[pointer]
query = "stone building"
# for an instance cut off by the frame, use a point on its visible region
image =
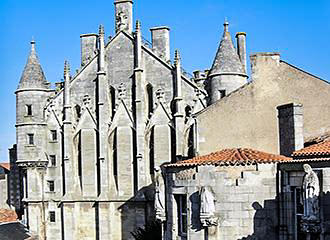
(90, 147)
(243, 193)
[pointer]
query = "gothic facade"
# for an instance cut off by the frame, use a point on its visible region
(90, 149)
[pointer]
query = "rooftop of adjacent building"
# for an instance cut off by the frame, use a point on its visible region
(5, 166)
(320, 149)
(232, 157)
(7, 215)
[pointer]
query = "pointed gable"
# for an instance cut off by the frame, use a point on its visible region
(226, 59)
(33, 75)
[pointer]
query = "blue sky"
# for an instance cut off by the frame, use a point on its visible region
(299, 30)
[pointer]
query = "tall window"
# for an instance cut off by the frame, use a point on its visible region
(51, 186)
(52, 160)
(150, 100)
(181, 201)
(30, 138)
(52, 216)
(28, 109)
(53, 135)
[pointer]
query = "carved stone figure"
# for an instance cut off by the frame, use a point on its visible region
(207, 207)
(311, 187)
(159, 195)
(122, 21)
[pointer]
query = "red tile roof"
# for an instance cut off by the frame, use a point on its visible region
(232, 157)
(7, 215)
(5, 165)
(320, 149)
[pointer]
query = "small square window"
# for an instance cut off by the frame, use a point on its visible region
(222, 93)
(53, 135)
(30, 138)
(51, 186)
(52, 217)
(52, 160)
(28, 109)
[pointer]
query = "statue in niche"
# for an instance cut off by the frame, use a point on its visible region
(121, 21)
(207, 207)
(311, 191)
(159, 195)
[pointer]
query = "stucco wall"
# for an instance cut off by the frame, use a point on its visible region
(248, 117)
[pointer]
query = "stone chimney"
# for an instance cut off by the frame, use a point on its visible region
(241, 48)
(88, 44)
(263, 64)
(290, 124)
(124, 15)
(161, 41)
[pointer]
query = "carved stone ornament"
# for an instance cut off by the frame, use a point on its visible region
(121, 21)
(207, 207)
(159, 195)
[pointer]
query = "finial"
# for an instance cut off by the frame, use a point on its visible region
(101, 29)
(66, 68)
(137, 25)
(33, 43)
(226, 25)
(177, 56)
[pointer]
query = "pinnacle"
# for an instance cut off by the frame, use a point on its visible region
(226, 59)
(33, 75)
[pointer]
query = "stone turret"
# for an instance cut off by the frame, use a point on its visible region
(227, 72)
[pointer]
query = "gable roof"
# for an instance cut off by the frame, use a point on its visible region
(232, 157)
(226, 59)
(321, 149)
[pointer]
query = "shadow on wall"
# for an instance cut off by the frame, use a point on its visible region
(14, 231)
(265, 221)
(137, 212)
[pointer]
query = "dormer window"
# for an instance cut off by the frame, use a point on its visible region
(28, 109)
(30, 137)
(53, 135)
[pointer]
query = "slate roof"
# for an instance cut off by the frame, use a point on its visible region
(232, 157)
(226, 59)
(7, 215)
(5, 165)
(321, 149)
(33, 75)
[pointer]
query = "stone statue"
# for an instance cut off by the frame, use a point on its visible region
(159, 195)
(311, 187)
(121, 21)
(207, 207)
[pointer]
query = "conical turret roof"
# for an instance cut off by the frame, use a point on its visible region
(226, 59)
(33, 75)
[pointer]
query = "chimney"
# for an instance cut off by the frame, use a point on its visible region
(88, 44)
(124, 15)
(262, 64)
(241, 48)
(290, 123)
(161, 41)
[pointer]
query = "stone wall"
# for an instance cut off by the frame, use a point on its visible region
(245, 201)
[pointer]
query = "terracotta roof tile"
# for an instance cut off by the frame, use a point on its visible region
(7, 215)
(319, 149)
(232, 157)
(5, 165)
